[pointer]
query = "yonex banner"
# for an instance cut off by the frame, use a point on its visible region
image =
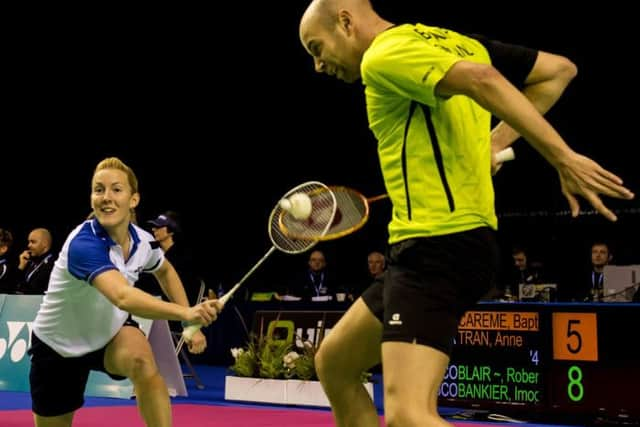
(16, 318)
(17, 313)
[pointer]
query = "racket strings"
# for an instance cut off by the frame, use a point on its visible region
(323, 209)
(323, 204)
(352, 210)
(351, 213)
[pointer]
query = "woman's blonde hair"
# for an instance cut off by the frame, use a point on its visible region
(116, 163)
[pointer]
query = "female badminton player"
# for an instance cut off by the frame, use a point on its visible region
(84, 322)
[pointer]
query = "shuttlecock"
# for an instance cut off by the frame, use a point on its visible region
(298, 205)
(505, 155)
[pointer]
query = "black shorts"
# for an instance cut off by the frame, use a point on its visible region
(429, 284)
(57, 382)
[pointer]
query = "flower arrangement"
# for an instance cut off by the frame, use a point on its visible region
(266, 357)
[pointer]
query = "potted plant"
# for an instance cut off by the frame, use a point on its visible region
(275, 371)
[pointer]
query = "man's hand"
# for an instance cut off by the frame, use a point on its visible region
(24, 258)
(581, 176)
(495, 165)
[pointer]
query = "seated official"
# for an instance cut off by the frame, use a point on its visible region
(376, 265)
(35, 263)
(314, 282)
(7, 269)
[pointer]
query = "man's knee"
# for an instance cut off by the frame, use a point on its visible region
(403, 415)
(322, 360)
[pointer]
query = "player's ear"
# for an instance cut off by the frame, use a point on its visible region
(135, 199)
(345, 21)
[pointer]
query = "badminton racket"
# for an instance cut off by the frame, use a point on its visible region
(324, 204)
(351, 215)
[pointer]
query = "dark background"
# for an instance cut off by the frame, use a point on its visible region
(219, 112)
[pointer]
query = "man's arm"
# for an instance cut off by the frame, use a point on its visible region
(579, 175)
(171, 284)
(546, 82)
(173, 288)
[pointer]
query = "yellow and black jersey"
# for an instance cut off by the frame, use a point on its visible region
(435, 153)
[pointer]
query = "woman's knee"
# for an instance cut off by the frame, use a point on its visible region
(141, 365)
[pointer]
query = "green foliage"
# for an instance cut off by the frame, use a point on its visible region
(267, 357)
(271, 358)
(305, 368)
(246, 360)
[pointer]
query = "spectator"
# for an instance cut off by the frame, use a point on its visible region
(7, 271)
(600, 257)
(167, 231)
(376, 265)
(315, 281)
(36, 263)
(524, 271)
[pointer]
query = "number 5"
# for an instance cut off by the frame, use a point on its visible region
(574, 333)
(575, 336)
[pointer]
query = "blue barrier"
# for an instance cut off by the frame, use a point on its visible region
(17, 313)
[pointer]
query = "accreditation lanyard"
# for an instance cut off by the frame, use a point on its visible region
(42, 261)
(597, 283)
(318, 286)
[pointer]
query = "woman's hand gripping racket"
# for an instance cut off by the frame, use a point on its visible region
(352, 213)
(310, 195)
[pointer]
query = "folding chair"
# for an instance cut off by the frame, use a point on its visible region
(183, 352)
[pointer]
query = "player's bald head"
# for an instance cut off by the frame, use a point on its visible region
(325, 12)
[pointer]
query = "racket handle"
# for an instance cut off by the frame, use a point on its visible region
(505, 155)
(191, 330)
(226, 297)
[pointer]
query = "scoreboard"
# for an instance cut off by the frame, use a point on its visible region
(497, 359)
(547, 359)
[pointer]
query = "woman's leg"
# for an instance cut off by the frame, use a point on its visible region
(64, 420)
(129, 355)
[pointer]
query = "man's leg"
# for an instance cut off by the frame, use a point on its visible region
(412, 376)
(351, 348)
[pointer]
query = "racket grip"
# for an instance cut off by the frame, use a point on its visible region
(226, 297)
(505, 155)
(190, 331)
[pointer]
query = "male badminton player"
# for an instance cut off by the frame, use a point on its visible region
(430, 93)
